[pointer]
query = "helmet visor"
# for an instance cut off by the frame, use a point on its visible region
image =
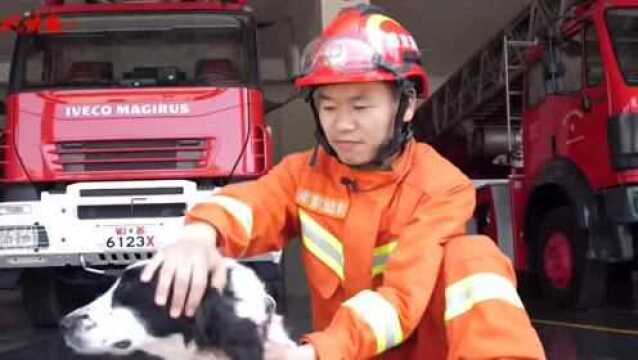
(342, 56)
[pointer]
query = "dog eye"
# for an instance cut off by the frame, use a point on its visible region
(123, 344)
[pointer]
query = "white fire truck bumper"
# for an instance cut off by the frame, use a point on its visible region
(97, 223)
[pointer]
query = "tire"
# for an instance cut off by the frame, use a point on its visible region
(568, 277)
(45, 298)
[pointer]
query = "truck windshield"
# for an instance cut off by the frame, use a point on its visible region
(623, 29)
(138, 50)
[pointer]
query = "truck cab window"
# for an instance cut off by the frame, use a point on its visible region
(536, 91)
(568, 65)
(623, 29)
(594, 66)
(140, 50)
(34, 67)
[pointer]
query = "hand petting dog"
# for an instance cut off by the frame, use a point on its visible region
(189, 265)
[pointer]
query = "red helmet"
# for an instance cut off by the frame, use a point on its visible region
(363, 46)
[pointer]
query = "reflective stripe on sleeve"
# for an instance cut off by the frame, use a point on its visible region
(463, 295)
(380, 315)
(239, 210)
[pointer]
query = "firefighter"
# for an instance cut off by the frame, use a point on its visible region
(381, 219)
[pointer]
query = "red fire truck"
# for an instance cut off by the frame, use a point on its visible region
(544, 118)
(118, 118)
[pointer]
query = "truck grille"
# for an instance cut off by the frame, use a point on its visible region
(178, 154)
(93, 212)
(115, 258)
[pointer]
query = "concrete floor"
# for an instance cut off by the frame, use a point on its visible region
(607, 333)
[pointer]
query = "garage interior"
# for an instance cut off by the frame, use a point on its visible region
(448, 33)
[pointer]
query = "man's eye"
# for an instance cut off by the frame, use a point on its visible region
(360, 107)
(327, 108)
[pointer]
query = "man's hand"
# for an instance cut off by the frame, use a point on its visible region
(187, 264)
(274, 351)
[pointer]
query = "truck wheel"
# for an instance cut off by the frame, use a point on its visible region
(44, 297)
(568, 277)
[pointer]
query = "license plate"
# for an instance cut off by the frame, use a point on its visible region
(130, 237)
(14, 237)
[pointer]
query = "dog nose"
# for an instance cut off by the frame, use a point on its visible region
(67, 323)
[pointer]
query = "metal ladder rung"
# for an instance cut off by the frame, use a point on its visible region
(516, 67)
(516, 117)
(516, 92)
(521, 43)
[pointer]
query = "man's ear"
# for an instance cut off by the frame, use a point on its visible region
(413, 105)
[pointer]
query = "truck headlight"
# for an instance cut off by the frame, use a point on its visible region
(19, 209)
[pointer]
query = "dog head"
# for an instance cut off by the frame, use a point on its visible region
(232, 324)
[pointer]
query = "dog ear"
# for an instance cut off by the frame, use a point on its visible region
(208, 312)
(217, 326)
(205, 316)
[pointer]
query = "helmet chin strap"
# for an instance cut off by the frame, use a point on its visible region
(401, 131)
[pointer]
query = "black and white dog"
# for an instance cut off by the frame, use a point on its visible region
(234, 325)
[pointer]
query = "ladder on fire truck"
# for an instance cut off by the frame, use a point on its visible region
(513, 66)
(487, 91)
(3, 153)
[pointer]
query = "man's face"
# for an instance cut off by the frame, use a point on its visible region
(358, 118)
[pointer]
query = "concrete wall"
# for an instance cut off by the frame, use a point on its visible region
(329, 8)
(449, 32)
(291, 128)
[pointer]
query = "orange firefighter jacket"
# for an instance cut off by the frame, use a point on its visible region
(475, 312)
(373, 245)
